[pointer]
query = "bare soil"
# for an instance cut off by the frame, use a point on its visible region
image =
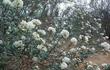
(99, 58)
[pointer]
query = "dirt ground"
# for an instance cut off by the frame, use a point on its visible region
(100, 58)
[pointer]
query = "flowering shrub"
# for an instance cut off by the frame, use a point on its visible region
(32, 37)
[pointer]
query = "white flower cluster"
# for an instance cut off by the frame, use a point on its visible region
(98, 68)
(86, 38)
(63, 65)
(104, 64)
(36, 36)
(93, 49)
(42, 31)
(81, 36)
(74, 41)
(66, 59)
(42, 47)
(23, 37)
(35, 59)
(65, 33)
(36, 22)
(51, 29)
(23, 25)
(18, 43)
(89, 67)
(83, 47)
(7, 2)
(106, 37)
(15, 3)
(106, 46)
(29, 25)
(73, 50)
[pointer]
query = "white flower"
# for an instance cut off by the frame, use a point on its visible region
(42, 47)
(105, 45)
(64, 53)
(30, 25)
(102, 34)
(51, 29)
(74, 41)
(81, 36)
(86, 39)
(17, 4)
(23, 37)
(45, 49)
(36, 36)
(106, 37)
(66, 59)
(104, 64)
(89, 66)
(37, 67)
(42, 32)
(26, 25)
(78, 49)
(43, 40)
(36, 21)
(72, 50)
(35, 59)
(93, 49)
(18, 43)
(63, 65)
(1, 42)
(6, 2)
(74, 60)
(83, 47)
(65, 33)
(23, 25)
(97, 68)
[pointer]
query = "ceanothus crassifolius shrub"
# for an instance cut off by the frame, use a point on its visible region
(43, 35)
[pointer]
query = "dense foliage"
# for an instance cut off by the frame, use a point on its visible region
(52, 34)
